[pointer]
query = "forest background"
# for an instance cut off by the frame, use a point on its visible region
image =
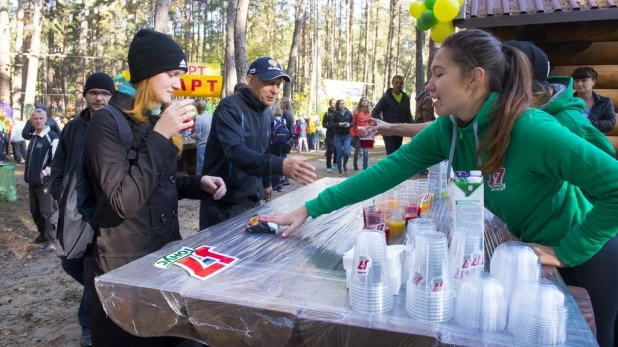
(49, 47)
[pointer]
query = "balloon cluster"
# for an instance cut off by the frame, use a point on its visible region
(436, 15)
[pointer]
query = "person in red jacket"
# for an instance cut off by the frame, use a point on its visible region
(362, 117)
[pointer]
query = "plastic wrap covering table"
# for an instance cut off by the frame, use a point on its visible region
(285, 292)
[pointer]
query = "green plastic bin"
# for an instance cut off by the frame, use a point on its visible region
(8, 187)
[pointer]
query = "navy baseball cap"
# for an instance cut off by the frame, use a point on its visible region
(267, 69)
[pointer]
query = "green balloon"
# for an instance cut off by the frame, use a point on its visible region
(428, 19)
(421, 26)
(429, 4)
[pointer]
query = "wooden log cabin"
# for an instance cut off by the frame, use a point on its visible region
(573, 33)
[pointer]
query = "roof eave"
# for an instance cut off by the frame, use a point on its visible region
(537, 18)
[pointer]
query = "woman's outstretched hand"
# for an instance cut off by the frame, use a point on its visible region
(293, 219)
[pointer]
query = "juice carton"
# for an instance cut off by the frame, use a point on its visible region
(467, 203)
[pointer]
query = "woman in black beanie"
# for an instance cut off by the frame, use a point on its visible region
(139, 186)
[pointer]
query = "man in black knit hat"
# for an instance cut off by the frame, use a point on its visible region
(97, 92)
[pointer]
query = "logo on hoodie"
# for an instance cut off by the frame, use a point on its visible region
(496, 181)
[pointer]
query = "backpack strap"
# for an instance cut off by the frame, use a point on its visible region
(124, 131)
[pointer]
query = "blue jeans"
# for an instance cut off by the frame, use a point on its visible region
(342, 147)
(357, 149)
(201, 151)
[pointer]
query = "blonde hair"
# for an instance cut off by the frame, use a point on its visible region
(276, 110)
(145, 100)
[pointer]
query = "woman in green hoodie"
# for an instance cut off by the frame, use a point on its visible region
(533, 166)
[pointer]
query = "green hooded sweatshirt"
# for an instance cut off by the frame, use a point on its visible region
(568, 110)
(535, 192)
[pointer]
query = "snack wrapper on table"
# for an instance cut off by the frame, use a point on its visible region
(228, 287)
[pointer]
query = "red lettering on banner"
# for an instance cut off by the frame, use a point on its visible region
(182, 85)
(195, 84)
(212, 84)
(192, 69)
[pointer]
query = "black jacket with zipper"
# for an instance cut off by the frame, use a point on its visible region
(39, 156)
(602, 114)
(238, 149)
(70, 149)
(140, 215)
(392, 111)
(338, 117)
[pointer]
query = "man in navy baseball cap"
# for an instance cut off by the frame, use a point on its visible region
(267, 69)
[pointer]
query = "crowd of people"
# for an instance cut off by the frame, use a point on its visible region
(115, 165)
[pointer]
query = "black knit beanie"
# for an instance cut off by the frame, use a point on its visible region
(99, 80)
(153, 52)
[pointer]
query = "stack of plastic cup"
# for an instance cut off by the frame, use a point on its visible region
(481, 303)
(513, 263)
(538, 314)
(371, 286)
(466, 254)
(414, 227)
(429, 292)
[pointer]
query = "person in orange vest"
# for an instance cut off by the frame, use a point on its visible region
(362, 117)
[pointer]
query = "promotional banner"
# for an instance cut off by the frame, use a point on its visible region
(6, 111)
(343, 89)
(203, 69)
(203, 86)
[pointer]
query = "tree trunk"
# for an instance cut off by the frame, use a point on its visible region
(398, 41)
(240, 40)
(420, 68)
(19, 60)
(298, 23)
(388, 59)
(5, 58)
(35, 50)
(162, 15)
(375, 54)
(349, 37)
(332, 32)
(366, 52)
(81, 66)
(433, 49)
(339, 40)
(50, 62)
(229, 74)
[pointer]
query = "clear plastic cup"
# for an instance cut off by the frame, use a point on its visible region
(371, 286)
(538, 314)
(430, 295)
(481, 303)
(467, 254)
(409, 203)
(513, 263)
(414, 227)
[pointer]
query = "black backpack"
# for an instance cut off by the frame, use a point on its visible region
(81, 207)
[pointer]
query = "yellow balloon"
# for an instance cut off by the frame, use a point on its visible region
(446, 10)
(417, 8)
(461, 2)
(441, 31)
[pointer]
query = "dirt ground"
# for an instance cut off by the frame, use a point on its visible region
(38, 301)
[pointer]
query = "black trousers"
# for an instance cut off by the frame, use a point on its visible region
(81, 271)
(331, 155)
(42, 206)
(19, 151)
(599, 276)
(212, 215)
(392, 143)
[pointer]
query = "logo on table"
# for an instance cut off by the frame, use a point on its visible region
(496, 181)
(200, 263)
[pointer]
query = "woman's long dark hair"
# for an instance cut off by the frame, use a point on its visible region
(509, 73)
